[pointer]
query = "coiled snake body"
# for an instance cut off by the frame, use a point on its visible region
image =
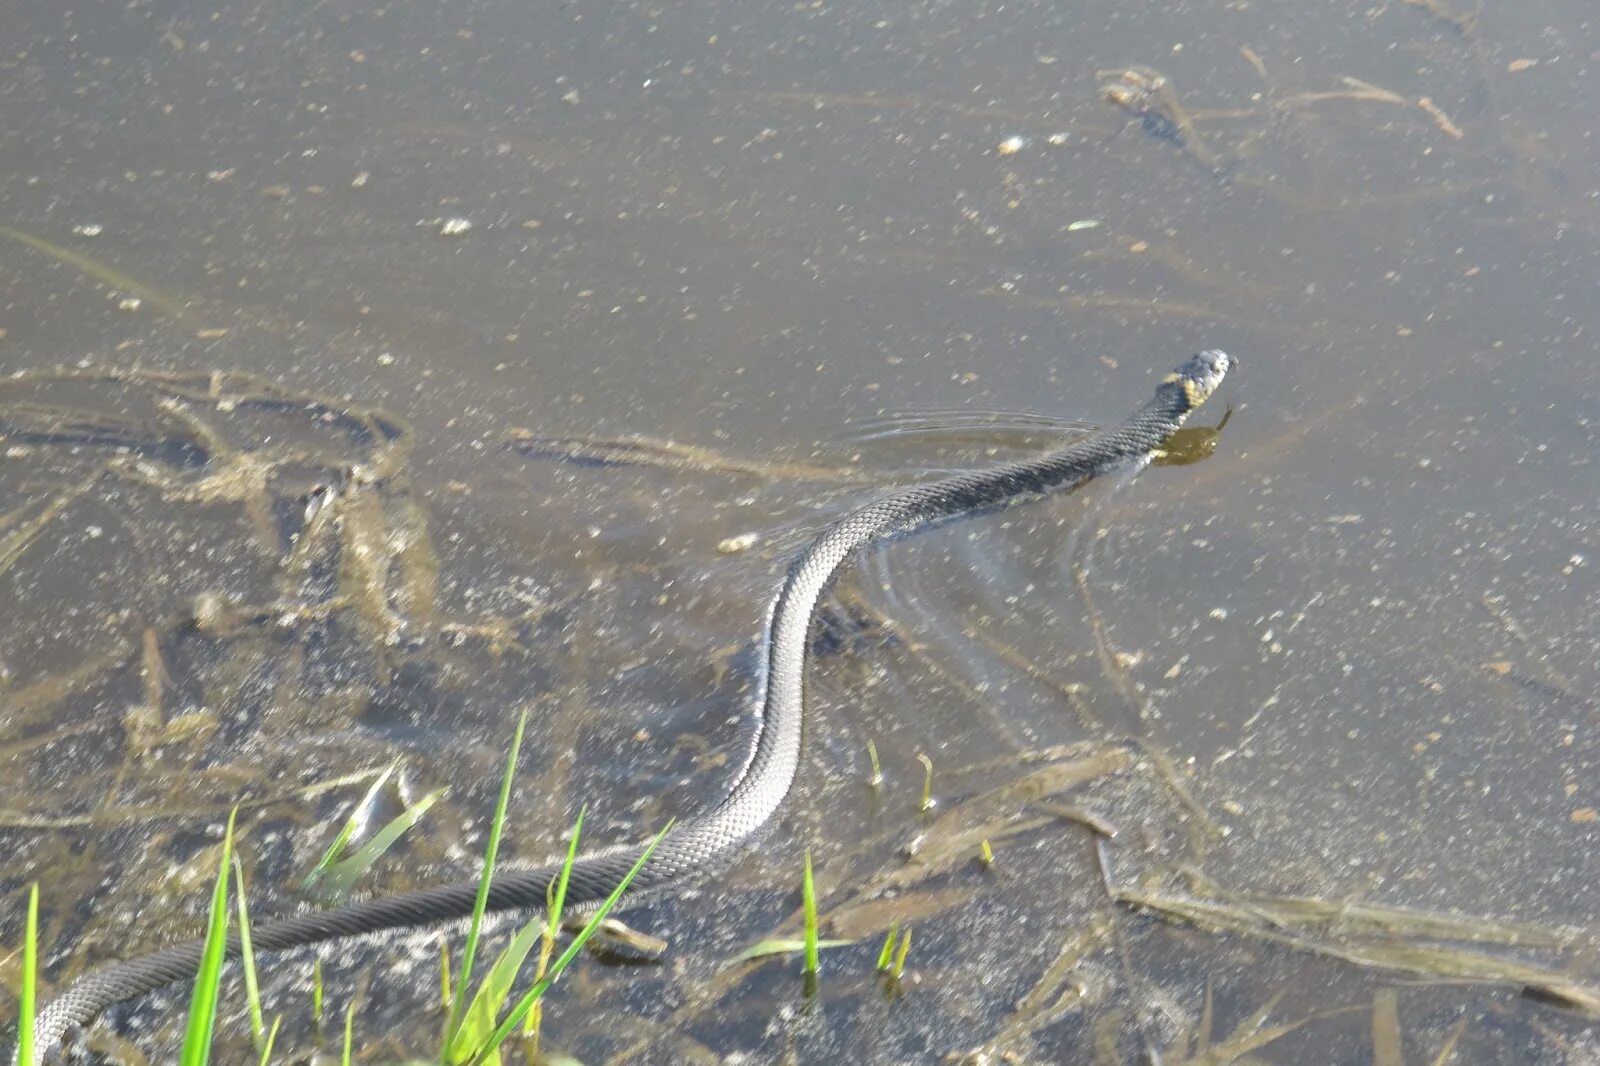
(697, 844)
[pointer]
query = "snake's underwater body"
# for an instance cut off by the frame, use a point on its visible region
(699, 844)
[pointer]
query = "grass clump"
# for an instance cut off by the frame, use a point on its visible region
(809, 943)
(452, 1028)
(892, 963)
(335, 874)
(476, 1027)
(488, 1046)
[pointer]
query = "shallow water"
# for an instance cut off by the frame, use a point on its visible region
(1363, 631)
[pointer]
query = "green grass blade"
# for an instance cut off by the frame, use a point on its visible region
(458, 1002)
(444, 974)
(316, 996)
(247, 959)
(335, 881)
(513, 1020)
(30, 976)
(272, 1038)
(478, 1023)
(559, 899)
(808, 897)
(351, 823)
(203, 1004)
(349, 1032)
(887, 954)
(552, 927)
(900, 956)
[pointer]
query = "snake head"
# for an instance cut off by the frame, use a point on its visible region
(1201, 374)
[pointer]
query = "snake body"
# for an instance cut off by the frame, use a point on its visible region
(698, 844)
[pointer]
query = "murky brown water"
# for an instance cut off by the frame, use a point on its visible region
(1363, 632)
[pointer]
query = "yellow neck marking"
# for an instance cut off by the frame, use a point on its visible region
(1193, 391)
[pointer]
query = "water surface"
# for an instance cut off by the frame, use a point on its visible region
(1362, 633)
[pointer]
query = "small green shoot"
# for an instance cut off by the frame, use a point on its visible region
(985, 852)
(876, 780)
(887, 954)
(479, 1022)
(316, 995)
(444, 974)
(203, 1004)
(247, 960)
(348, 830)
(514, 1019)
(272, 1038)
(335, 882)
(900, 957)
(30, 975)
(469, 954)
(808, 899)
(928, 801)
(334, 875)
(349, 1032)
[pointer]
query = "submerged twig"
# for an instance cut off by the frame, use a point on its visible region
(10, 819)
(1395, 952)
(671, 455)
(1053, 994)
(1249, 1035)
(24, 531)
(387, 435)
(101, 272)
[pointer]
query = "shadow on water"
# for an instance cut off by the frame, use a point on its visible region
(429, 366)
